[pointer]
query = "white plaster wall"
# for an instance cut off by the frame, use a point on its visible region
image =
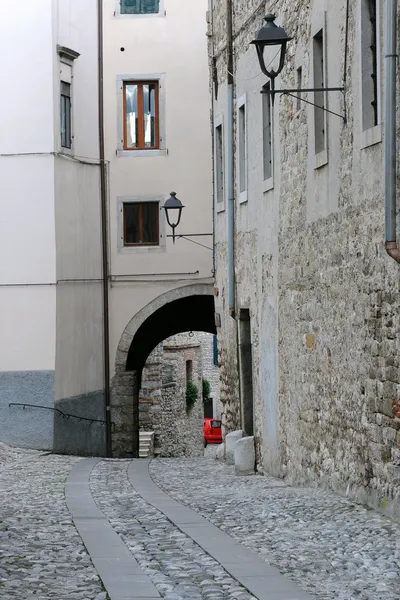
(26, 63)
(176, 46)
(27, 236)
(79, 348)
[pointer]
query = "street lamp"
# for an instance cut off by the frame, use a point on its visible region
(173, 212)
(271, 35)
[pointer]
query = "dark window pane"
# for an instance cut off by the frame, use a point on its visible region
(131, 115)
(139, 7)
(149, 109)
(65, 115)
(131, 224)
(150, 222)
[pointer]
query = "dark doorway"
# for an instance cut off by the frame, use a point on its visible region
(246, 372)
(208, 408)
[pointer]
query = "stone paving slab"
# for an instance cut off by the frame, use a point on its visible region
(42, 556)
(331, 547)
(119, 571)
(263, 581)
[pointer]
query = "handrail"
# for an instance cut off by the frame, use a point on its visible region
(57, 410)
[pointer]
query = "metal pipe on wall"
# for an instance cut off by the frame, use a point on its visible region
(390, 129)
(230, 165)
(104, 233)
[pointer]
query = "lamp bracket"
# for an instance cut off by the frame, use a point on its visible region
(187, 236)
(291, 92)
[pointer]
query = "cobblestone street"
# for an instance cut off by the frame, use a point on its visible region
(331, 548)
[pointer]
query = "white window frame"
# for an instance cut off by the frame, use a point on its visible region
(66, 57)
(373, 135)
(119, 15)
(220, 206)
(121, 248)
(268, 183)
(321, 158)
(241, 105)
(162, 150)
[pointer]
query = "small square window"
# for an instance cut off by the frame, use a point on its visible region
(65, 116)
(139, 7)
(141, 115)
(141, 223)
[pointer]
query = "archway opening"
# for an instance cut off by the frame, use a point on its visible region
(193, 312)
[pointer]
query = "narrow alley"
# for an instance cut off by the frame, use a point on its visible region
(324, 546)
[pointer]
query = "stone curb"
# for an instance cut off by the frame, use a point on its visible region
(119, 571)
(262, 580)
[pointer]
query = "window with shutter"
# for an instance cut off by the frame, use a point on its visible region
(139, 7)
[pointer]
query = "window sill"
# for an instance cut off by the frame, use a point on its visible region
(141, 153)
(142, 249)
(66, 151)
(268, 184)
(372, 136)
(321, 159)
(243, 197)
(146, 16)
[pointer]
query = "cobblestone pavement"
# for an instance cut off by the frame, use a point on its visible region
(177, 566)
(41, 554)
(330, 547)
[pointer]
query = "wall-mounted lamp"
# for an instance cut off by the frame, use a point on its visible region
(173, 212)
(272, 35)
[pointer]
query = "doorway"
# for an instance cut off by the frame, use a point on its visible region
(246, 372)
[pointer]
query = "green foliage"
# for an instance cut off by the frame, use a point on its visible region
(206, 389)
(191, 393)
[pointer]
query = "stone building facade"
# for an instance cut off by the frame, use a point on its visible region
(315, 338)
(178, 428)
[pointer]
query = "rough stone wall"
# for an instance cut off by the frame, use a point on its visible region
(311, 267)
(162, 397)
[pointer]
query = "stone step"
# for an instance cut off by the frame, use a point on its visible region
(146, 444)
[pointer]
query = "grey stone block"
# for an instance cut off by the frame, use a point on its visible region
(220, 454)
(230, 442)
(245, 456)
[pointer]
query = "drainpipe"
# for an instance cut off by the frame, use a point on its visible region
(390, 130)
(104, 236)
(230, 165)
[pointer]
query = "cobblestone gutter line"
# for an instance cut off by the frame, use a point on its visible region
(177, 566)
(41, 554)
(334, 549)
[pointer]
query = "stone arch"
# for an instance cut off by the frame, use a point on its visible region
(187, 308)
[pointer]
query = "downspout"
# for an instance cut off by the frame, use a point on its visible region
(104, 237)
(390, 130)
(230, 164)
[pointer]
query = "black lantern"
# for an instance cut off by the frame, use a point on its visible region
(271, 35)
(173, 212)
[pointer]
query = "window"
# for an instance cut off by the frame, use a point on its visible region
(189, 370)
(141, 115)
(215, 351)
(267, 132)
(369, 63)
(65, 107)
(299, 74)
(242, 149)
(139, 7)
(141, 224)
(319, 97)
(219, 163)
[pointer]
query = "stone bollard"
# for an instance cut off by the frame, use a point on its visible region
(230, 442)
(220, 454)
(245, 456)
